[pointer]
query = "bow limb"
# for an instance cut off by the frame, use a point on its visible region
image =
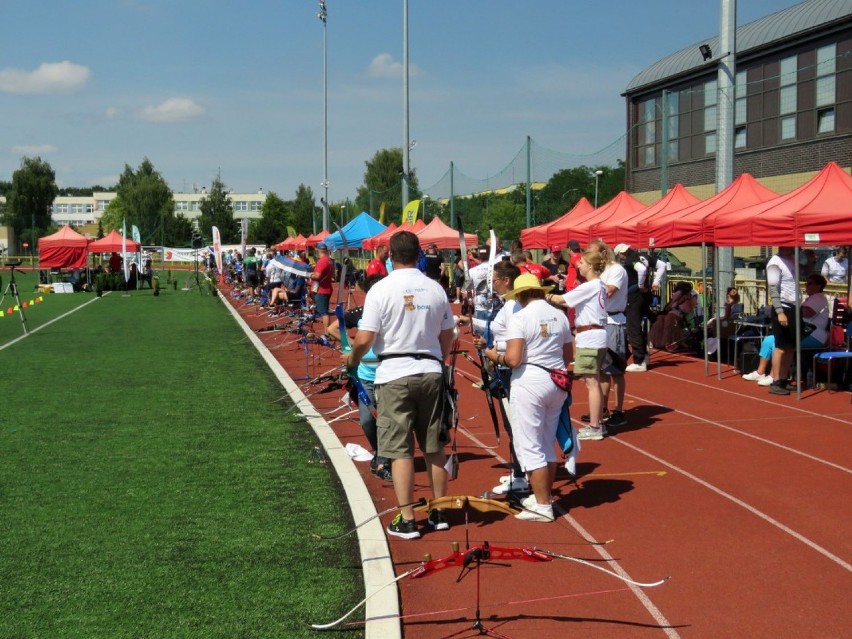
(326, 626)
(419, 502)
(584, 562)
(458, 502)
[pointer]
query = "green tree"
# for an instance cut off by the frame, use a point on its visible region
(178, 230)
(384, 176)
(274, 219)
(217, 210)
(29, 199)
(304, 211)
(113, 216)
(144, 199)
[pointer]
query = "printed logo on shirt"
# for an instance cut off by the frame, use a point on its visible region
(545, 330)
(409, 303)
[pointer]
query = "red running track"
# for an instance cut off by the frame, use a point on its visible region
(743, 498)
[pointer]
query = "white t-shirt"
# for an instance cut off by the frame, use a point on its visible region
(616, 275)
(480, 285)
(545, 332)
(407, 311)
(818, 302)
(500, 323)
(779, 270)
(589, 303)
(275, 271)
(834, 270)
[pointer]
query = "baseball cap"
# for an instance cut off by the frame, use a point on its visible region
(555, 248)
(574, 245)
(322, 246)
(621, 248)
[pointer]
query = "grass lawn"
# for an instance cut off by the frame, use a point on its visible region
(149, 484)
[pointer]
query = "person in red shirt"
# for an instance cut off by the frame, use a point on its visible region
(522, 260)
(377, 269)
(321, 279)
(572, 276)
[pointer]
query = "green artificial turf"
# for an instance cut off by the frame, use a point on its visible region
(150, 486)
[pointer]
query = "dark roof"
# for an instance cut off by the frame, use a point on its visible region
(781, 25)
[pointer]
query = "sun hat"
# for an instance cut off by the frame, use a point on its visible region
(526, 282)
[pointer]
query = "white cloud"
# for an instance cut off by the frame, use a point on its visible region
(34, 149)
(173, 110)
(384, 66)
(49, 77)
(113, 112)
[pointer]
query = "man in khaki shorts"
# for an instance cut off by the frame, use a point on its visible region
(408, 322)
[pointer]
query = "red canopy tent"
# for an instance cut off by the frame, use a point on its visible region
(383, 237)
(64, 249)
(624, 227)
(537, 236)
(291, 243)
(112, 243)
(371, 243)
(694, 225)
(316, 238)
(579, 228)
(817, 213)
(443, 236)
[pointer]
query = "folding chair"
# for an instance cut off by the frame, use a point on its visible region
(829, 356)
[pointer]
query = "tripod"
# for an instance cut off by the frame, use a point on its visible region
(197, 284)
(12, 289)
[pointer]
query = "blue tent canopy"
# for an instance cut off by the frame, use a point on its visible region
(356, 232)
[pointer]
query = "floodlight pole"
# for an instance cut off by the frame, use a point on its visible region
(323, 16)
(406, 147)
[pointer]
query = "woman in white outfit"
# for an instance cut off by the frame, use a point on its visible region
(538, 336)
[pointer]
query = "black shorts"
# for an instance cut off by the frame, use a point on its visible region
(353, 316)
(785, 336)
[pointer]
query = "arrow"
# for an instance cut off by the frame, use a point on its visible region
(658, 473)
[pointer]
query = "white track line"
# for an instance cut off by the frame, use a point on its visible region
(819, 460)
(46, 324)
(840, 562)
(655, 612)
(793, 407)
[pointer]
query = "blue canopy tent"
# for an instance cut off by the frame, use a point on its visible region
(356, 231)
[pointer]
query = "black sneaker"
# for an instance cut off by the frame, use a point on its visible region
(616, 419)
(778, 389)
(587, 418)
(384, 473)
(404, 528)
(437, 520)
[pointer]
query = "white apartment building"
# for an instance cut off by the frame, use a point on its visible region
(77, 211)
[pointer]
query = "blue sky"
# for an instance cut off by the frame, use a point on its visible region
(203, 87)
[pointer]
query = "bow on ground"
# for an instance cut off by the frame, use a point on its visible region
(484, 552)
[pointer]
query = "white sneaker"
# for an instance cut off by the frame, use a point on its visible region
(637, 368)
(593, 433)
(753, 376)
(536, 512)
(528, 502)
(517, 485)
(765, 381)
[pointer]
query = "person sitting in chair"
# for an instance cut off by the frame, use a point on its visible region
(670, 331)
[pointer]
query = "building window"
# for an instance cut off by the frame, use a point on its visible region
(740, 137)
(240, 205)
(711, 97)
(825, 120)
(193, 206)
(787, 97)
(181, 205)
(257, 206)
(826, 87)
(60, 208)
(672, 124)
(788, 128)
(102, 204)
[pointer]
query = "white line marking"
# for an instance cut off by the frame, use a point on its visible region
(46, 324)
(655, 612)
(789, 449)
(840, 562)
